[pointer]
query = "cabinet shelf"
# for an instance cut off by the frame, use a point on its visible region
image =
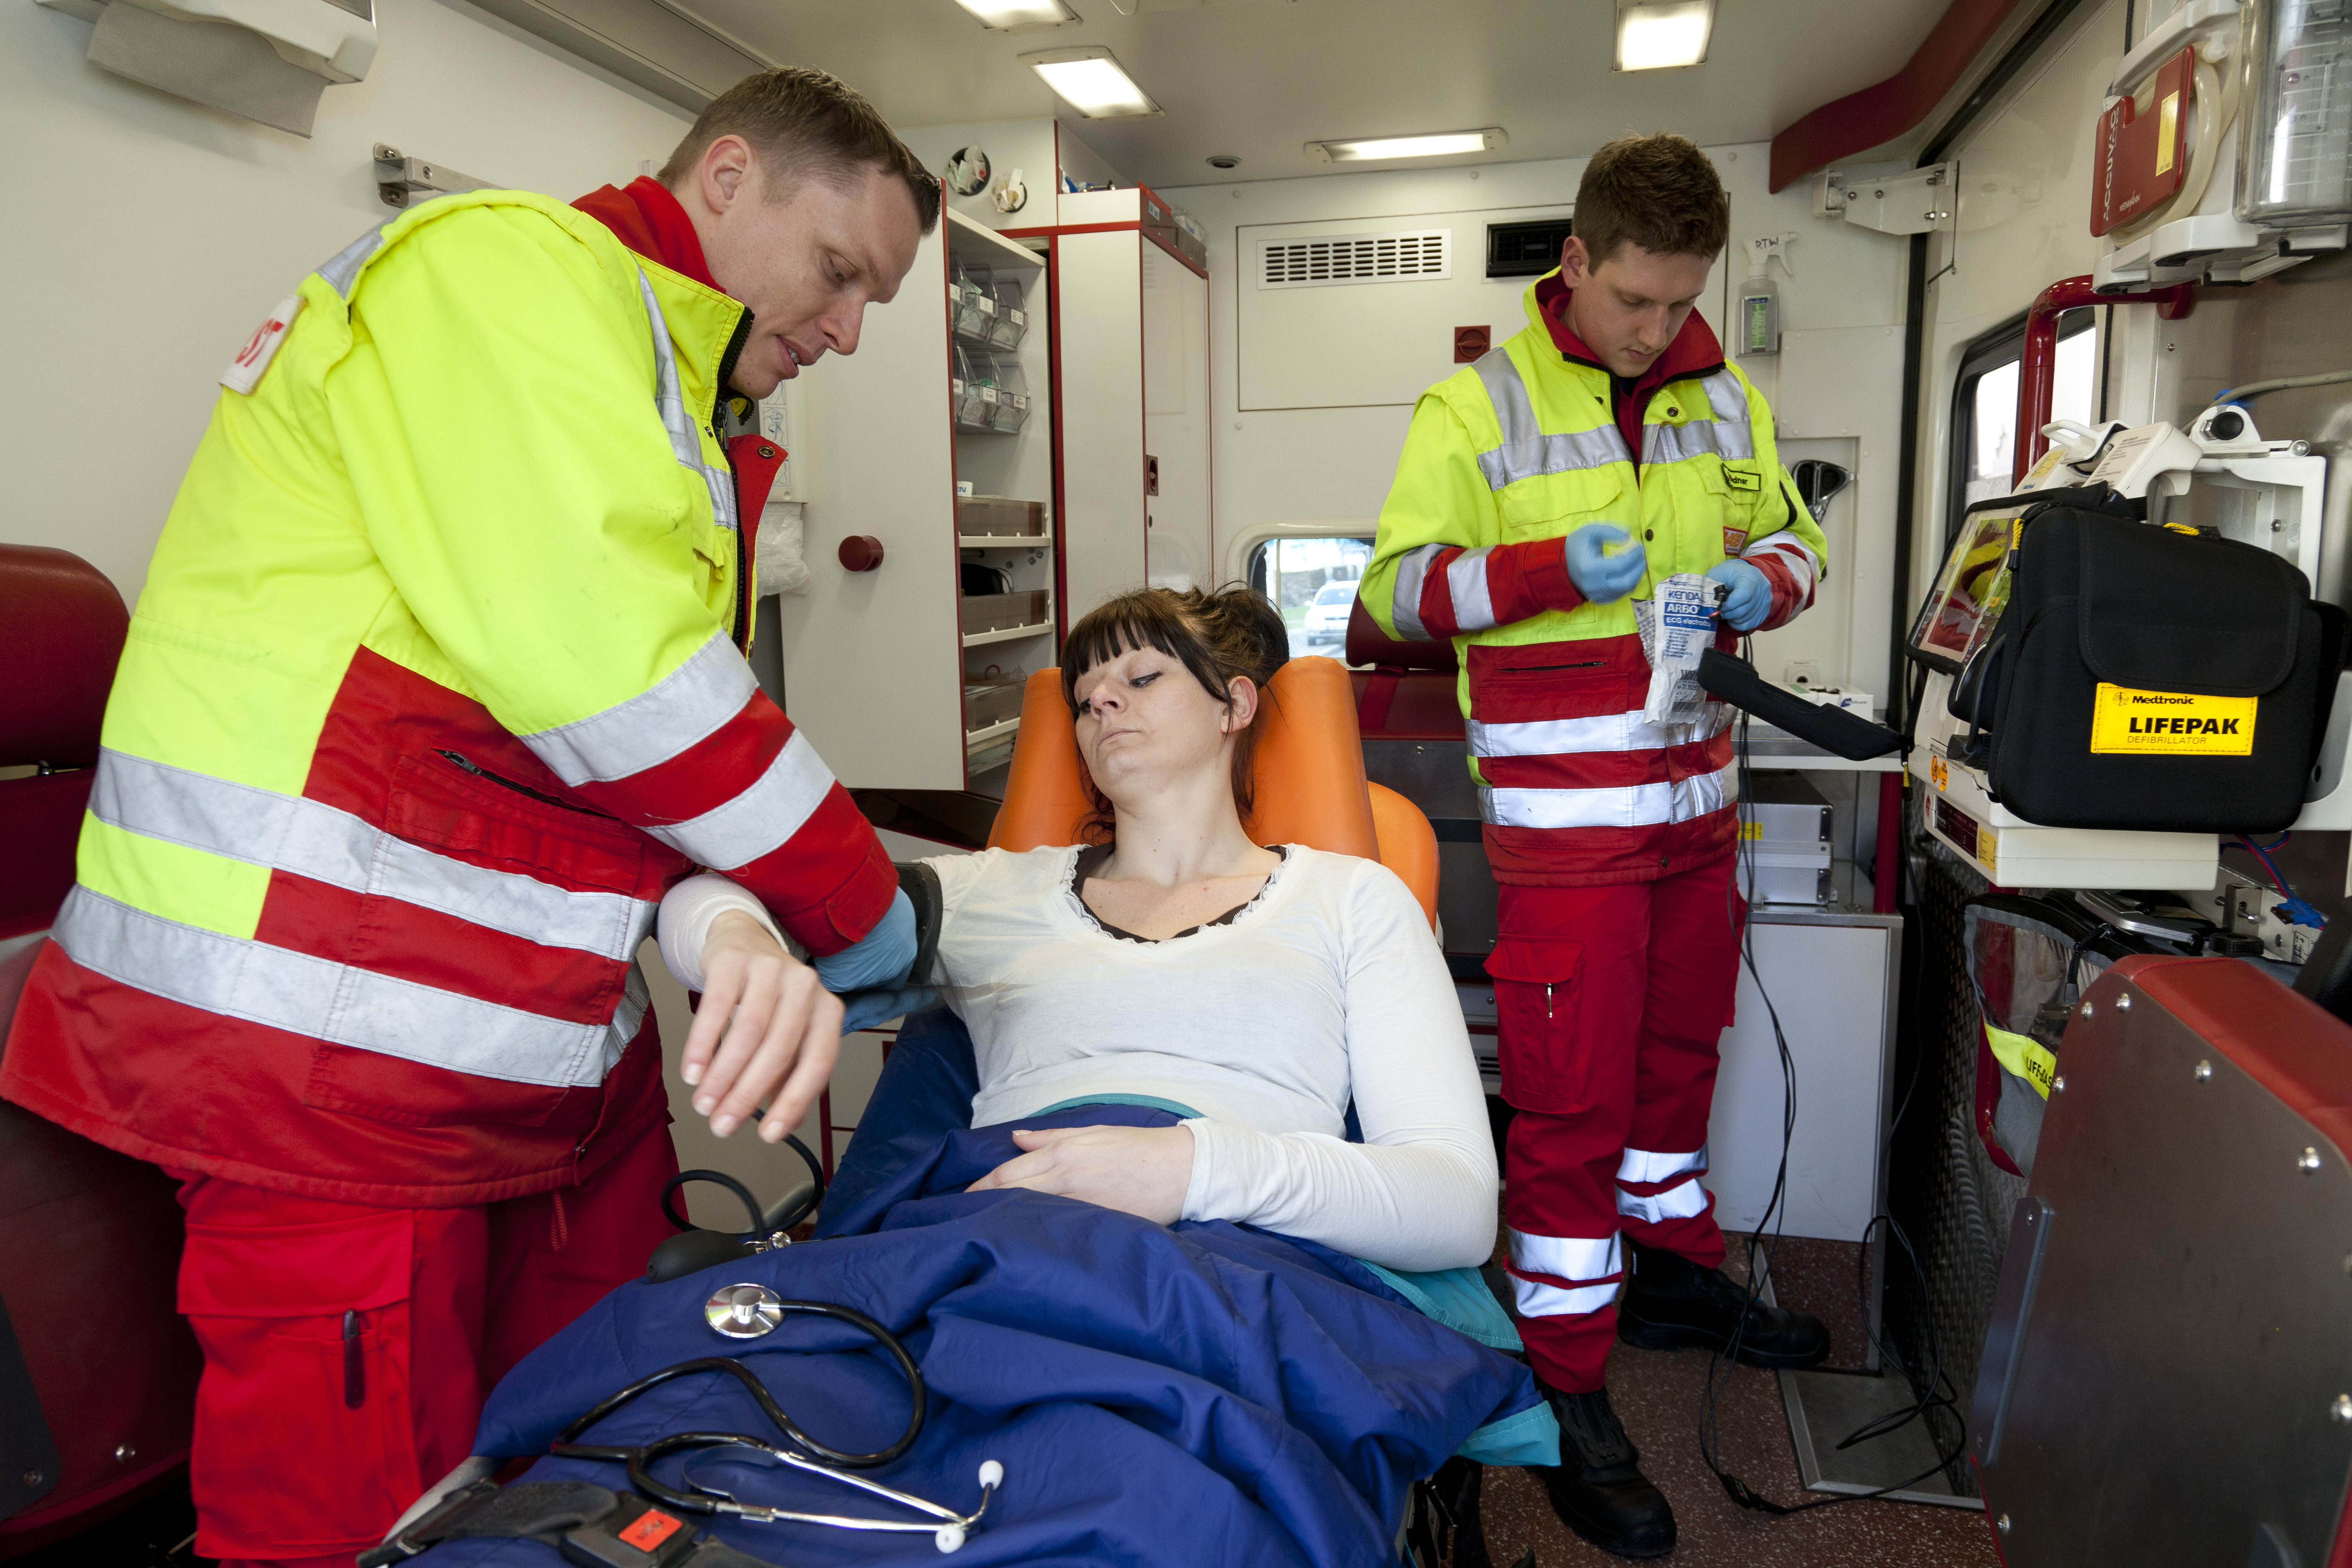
(1010, 634)
(975, 739)
(1003, 540)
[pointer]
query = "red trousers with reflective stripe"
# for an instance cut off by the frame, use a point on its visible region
(347, 1349)
(1611, 1001)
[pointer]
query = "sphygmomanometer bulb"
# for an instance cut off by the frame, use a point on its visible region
(950, 1538)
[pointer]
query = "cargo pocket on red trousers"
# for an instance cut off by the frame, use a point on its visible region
(1537, 993)
(304, 1443)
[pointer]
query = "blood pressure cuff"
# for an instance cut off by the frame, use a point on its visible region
(1733, 679)
(922, 886)
(2157, 680)
(588, 1524)
(2029, 960)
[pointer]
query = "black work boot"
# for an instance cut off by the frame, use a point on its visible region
(1598, 1489)
(1671, 1303)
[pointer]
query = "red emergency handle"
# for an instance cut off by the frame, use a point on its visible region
(2037, 371)
(861, 553)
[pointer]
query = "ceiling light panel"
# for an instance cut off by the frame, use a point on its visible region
(1437, 144)
(1020, 16)
(1660, 35)
(1092, 81)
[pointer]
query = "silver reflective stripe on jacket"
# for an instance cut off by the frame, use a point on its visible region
(683, 708)
(1527, 452)
(1625, 806)
(1727, 435)
(321, 999)
(311, 838)
(1412, 573)
(683, 443)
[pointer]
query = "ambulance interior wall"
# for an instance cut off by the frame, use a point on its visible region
(2025, 184)
(156, 234)
(1315, 456)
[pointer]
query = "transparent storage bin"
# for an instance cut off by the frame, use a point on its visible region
(975, 315)
(1012, 320)
(973, 385)
(988, 701)
(1012, 394)
(1003, 612)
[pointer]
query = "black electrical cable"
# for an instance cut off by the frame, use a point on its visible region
(1927, 1394)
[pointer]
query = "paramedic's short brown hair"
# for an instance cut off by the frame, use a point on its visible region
(810, 125)
(1660, 192)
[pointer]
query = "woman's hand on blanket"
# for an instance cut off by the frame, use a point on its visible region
(766, 1031)
(1141, 1171)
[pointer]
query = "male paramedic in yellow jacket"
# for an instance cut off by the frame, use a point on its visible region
(1603, 448)
(436, 684)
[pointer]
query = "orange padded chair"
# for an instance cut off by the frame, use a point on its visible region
(1309, 774)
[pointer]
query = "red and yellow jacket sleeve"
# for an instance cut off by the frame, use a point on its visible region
(1437, 570)
(564, 555)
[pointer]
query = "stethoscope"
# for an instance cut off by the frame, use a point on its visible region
(748, 1312)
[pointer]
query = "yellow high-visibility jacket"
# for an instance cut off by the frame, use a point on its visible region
(435, 687)
(1504, 460)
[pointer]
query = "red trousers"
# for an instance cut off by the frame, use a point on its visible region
(1611, 1001)
(347, 1349)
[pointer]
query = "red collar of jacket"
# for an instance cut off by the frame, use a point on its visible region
(1695, 351)
(649, 221)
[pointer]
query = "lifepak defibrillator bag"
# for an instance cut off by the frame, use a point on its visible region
(2156, 678)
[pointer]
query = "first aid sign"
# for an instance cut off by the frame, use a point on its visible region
(2170, 723)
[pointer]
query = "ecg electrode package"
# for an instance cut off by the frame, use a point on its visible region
(1677, 628)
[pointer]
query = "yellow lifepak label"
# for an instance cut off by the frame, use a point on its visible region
(2024, 1058)
(2171, 723)
(2167, 131)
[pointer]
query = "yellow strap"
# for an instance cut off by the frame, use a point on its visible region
(2024, 1056)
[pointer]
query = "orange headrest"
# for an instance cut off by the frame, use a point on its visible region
(1309, 767)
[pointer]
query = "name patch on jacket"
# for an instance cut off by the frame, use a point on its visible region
(244, 373)
(2171, 723)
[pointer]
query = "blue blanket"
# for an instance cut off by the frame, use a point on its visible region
(1205, 1393)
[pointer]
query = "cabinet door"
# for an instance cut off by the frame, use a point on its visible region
(1099, 328)
(872, 660)
(1176, 422)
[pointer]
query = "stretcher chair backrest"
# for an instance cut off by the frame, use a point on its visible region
(96, 1406)
(1308, 776)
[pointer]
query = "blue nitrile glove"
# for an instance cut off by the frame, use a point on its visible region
(1600, 578)
(879, 958)
(1751, 595)
(869, 1008)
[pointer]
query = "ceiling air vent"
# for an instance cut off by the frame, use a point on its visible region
(1355, 258)
(1525, 249)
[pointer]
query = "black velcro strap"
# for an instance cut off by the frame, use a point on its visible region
(1849, 736)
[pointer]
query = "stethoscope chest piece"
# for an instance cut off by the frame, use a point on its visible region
(743, 1311)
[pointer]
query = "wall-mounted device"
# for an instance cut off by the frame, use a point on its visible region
(2219, 478)
(268, 61)
(1528, 250)
(2224, 150)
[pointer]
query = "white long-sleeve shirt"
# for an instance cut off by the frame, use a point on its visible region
(1328, 985)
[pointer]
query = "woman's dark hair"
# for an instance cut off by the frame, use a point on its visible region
(1217, 636)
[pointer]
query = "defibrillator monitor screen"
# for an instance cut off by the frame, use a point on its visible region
(1970, 592)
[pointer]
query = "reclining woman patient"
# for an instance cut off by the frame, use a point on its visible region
(1254, 990)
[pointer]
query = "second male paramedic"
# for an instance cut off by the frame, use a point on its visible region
(1606, 447)
(437, 682)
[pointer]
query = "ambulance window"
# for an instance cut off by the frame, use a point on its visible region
(1312, 582)
(1984, 406)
